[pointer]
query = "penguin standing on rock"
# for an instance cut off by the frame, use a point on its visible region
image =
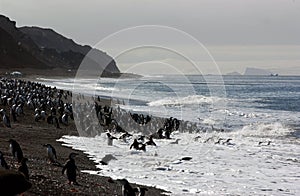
(24, 168)
(16, 150)
(3, 163)
(51, 152)
(71, 168)
(5, 119)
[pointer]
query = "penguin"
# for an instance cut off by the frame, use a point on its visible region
(142, 147)
(219, 141)
(150, 142)
(141, 191)
(197, 138)
(227, 142)
(186, 158)
(53, 111)
(56, 122)
(19, 110)
(51, 152)
(124, 136)
(37, 117)
(141, 138)
(5, 119)
(160, 133)
(137, 145)
(16, 150)
(71, 168)
(43, 115)
(209, 139)
(167, 134)
(13, 113)
(23, 168)
(3, 163)
(50, 119)
(262, 143)
(65, 119)
(13, 183)
(127, 190)
(110, 139)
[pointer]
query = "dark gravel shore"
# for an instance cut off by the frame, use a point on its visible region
(46, 178)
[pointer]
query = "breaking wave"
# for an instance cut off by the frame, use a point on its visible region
(188, 100)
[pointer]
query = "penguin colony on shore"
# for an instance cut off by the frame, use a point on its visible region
(48, 105)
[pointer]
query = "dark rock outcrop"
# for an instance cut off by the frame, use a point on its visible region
(14, 55)
(39, 48)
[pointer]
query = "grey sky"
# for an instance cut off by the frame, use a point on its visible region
(238, 33)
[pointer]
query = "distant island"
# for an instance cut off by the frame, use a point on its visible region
(250, 71)
(257, 72)
(43, 51)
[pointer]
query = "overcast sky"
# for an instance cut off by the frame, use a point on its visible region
(237, 33)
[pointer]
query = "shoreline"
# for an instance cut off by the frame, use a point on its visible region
(248, 145)
(47, 179)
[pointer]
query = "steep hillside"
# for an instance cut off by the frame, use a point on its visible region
(49, 39)
(14, 55)
(39, 48)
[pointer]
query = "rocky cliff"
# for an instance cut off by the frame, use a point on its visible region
(13, 54)
(39, 48)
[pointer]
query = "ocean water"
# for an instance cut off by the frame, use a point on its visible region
(247, 109)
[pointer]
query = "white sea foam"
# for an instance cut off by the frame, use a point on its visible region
(241, 167)
(266, 130)
(83, 86)
(94, 87)
(193, 99)
(63, 84)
